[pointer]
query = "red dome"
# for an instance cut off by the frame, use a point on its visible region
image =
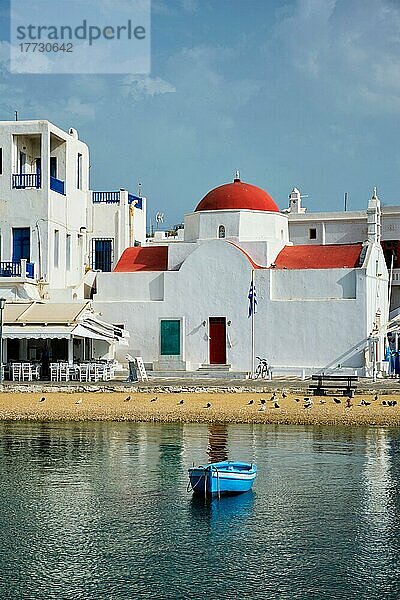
(237, 196)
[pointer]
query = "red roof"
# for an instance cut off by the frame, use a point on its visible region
(149, 258)
(237, 196)
(333, 256)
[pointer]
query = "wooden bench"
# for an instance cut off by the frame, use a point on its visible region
(336, 383)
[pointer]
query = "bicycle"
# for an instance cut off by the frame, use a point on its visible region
(262, 369)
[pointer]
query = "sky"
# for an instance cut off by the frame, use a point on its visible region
(301, 93)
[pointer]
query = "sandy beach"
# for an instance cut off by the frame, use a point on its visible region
(200, 407)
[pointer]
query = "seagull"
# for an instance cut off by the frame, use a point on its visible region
(250, 402)
(348, 403)
(389, 403)
(273, 397)
(322, 401)
(79, 401)
(297, 399)
(284, 395)
(276, 405)
(308, 404)
(263, 401)
(337, 401)
(154, 399)
(384, 402)
(394, 403)
(181, 402)
(376, 397)
(42, 399)
(366, 403)
(208, 405)
(263, 407)
(127, 399)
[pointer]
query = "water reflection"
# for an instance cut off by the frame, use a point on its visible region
(227, 511)
(217, 442)
(379, 541)
(100, 510)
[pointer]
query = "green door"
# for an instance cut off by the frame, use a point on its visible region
(170, 337)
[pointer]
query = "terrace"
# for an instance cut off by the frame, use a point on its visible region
(21, 269)
(114, 197)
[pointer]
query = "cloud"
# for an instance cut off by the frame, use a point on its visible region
(190, 5)
(136, 87)
(349, 51)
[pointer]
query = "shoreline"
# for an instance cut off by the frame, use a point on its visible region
(192, 407)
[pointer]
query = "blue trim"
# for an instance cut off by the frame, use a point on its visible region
(57, 185)
(137, 199)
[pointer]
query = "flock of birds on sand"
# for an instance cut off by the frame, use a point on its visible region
(307, 402)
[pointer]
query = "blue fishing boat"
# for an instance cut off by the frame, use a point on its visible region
(227, 477)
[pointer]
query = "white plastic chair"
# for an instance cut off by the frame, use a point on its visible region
(26, 372)
(16, 371)
(54, 372)
(84, 372)
(64, 372)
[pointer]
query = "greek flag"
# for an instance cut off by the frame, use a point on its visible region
(252, 294)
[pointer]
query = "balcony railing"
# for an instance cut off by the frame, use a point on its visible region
(396, 276)
(26, 180)
(14, 269)
(107, 197)
(57, 185)
(115, 198)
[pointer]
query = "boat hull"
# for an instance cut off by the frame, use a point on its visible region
(222, 478)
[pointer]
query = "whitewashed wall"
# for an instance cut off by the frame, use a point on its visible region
(24, 207)
(322, 324)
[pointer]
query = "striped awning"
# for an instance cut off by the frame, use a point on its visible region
(49, 320)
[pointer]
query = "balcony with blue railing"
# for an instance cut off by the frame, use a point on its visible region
(57, 185)
(114, 197)
(26, 180)
(22, 269)
(106, 197)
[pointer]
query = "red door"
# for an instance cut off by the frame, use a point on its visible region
(217, 334)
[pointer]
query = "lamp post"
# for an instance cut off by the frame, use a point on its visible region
(2, 305)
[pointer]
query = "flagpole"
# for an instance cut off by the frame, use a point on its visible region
(253, 346)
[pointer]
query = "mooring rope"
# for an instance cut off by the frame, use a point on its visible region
(204, 476)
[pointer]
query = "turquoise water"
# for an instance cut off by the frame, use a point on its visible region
(101, 511)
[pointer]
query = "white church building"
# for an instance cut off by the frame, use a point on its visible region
(186, 303)
(79, 275)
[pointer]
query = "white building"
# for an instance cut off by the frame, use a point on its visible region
(55, 232)
(186, 303)
(322, 295)
(349, 227)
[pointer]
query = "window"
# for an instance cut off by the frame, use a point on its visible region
(56, 248)
(102, 254)
(22, 162)
(221, 231)
(79, 172)
(313, 233)
(170, 330)
(21, 243)
(68, 252)
(1, 161)
(53, 166)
